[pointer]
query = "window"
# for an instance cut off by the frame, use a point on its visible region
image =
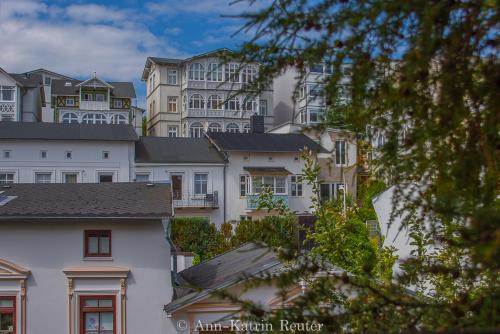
(117, 103)
(244, 184)
(68, 155)
(6, 178)
(196, 130)
(43, 154)
(98, 243)
(302, 92)
(280, 185)
(69, 118)
(7, 154)
(70, 102)
(43, 177)
(246, 128)
(214, 72)
(316, 68)
(172, 77)
(196, 72)
(315, 91)
(7, 93)
(87, 97)
(248, 104)
(118, 119)
(48, 81)
(277, 184)
(97, 314)
(7, 314)
(99, 97)
(248, 74)
(315, 115)
(340, 152)
(296, 185)
(172, 104)
(172, 131)
(105, 177)
(200, 184)
(232, 128)
(196, 101)
(142, 177)
(214, 127)
(215, 102)
(70, 177)
(263, 107)
(330, 191)
(105, 154)
(233, 104)
(232, 72)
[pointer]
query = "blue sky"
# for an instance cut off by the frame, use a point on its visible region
(112, 38)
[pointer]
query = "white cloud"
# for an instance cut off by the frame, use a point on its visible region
(216, 7)
(92, 13)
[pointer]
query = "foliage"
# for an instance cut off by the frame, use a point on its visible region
(193, 234)
(425, 74)
(144, 126)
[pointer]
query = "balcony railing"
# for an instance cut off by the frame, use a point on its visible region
(94, 105)
(183, 200)
(253, 201)
(7, 111)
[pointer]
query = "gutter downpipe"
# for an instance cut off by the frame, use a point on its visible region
(167, 227)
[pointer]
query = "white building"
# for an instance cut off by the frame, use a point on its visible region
(21, 97)
(185, 97)
(85, 258)
(65, 153)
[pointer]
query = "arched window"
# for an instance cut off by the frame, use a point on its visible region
(119, 119)
(248, 74)
(196, 72)
(214, 127)
(214, 72)
(100, 119)
(70, 118)
(233, 104)
(88, 119)
(214, 102)
(196, 101)
(232, 128)
(246, 128)
(196, 130)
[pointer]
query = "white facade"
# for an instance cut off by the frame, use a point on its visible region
(60, 161)
(137, 276)
(186, 97)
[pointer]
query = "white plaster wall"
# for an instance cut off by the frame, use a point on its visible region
(32, 105)
(237, 205)
(87, 159)
(47, 248)
(162, 173)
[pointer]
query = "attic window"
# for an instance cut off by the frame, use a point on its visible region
(67, 84)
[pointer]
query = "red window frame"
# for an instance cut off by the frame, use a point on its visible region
(97, 233)
(10, 310)
(87, 309)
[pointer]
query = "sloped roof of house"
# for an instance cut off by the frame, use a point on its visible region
(62, 131)
(70, 87)
(176, 150)
(198, 282)
(43, 70)
(264, 142)
(85, 200)
(28, 80)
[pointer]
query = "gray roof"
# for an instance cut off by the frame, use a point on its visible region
(28, 80)
(43, 70)
(198, 282)
(86, 200)
(176, 150)
(264, 142)
(160, 60)
(121, 89)
(60, 131)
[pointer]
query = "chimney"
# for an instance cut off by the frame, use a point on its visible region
(257, 123)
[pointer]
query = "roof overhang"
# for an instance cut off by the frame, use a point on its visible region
(96, 272)
(86, 82)
(266, 171)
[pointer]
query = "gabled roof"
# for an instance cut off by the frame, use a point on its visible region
(86, 200)
(263, 142)
(71, 87)
(62, 131)
(225, 270)
(176, 150)
(43, 70)
(24, 79)
(86, 82)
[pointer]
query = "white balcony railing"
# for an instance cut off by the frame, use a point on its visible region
(94, 105)
(7, 111)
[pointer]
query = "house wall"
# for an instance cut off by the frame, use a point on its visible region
(32, 105)
(163, 173)
(283, 105)
(16, 115)
(87, 159)
(238, 160)
(48, 248)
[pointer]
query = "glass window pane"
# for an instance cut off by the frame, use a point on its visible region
(106, 323)
(93, 246)
(6, 303)
(104, 245)
(7, 323)
(325, 191)
(105, 303)
(91, 303)
(280, 185)
(91, 322)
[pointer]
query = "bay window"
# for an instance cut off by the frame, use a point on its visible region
(196, 72)
(277, 184)
(214, 72)
(232, 72)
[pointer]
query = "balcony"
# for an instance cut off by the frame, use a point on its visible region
(253, 201)
(185, 201)
(94, 105)
(7, 111)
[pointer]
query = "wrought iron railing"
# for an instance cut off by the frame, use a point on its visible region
(183, 200)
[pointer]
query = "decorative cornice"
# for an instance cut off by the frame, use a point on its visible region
(9, 270)
(96, 272)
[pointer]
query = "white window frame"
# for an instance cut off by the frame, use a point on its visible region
(70, 172)
(173, 131)
(214, 127)
(69, 118)
(215, 102)
(263, 107)
(8, 88)
(248, 74)
(196, 130)
(233, 104)
(172, 77)
(72, 104)
(118, 103)
(146, 174)
(98, 95)
(215, 72)
(7, 154)
(196, 101)
(340, 152)
(43, 172)
(7, 180)
(247, 128)
(285, 188)
(232, 72)
(296, 186)
(87, 97)
(172, 103)
(203, 184)
(196, 72)
(233, 128)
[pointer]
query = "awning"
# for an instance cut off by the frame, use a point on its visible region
(267, 170)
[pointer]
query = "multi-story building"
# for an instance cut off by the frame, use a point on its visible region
(187, 97)
(21, 97)
(93, 101)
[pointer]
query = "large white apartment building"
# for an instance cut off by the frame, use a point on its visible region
(187, 97)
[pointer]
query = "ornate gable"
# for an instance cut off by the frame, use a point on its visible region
(9, 270)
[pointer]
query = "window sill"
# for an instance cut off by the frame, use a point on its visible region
(97, 258)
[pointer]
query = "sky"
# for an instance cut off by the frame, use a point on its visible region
(112, 38)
